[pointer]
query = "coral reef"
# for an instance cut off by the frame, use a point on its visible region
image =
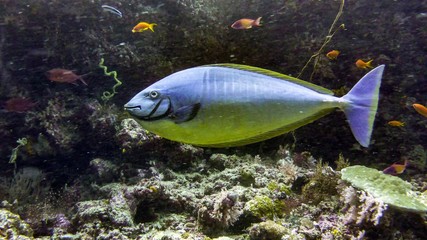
(88, 171)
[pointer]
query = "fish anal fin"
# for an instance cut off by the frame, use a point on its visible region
(185, 113)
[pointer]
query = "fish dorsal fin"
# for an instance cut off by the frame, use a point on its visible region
(270, 73)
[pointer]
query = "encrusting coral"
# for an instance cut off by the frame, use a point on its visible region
(385, 188)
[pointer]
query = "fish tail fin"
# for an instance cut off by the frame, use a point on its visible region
(83, 81)
(362, 105)
(257, 22)
(369, 64)
(151, 26)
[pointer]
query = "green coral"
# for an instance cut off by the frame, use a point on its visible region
(108, 95)
(263, 206)
(390, 189)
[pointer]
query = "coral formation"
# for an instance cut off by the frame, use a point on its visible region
(385, 188)
(12, 227)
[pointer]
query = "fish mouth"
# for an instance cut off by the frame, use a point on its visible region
(138, 110)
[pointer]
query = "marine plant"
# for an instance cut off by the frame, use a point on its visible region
(108, 95)
(264, 207)
(328, 38)
(322, 184)
(342, 162)
(21, 142)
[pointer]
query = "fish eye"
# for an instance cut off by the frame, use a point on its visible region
(154, 94)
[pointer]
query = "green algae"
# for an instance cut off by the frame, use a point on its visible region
(268, 230)
(21, 142)
(390, 189)
(263, 206)
(108, 95)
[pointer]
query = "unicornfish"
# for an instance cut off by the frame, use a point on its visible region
(225, 105)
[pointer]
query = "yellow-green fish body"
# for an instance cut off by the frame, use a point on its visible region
(231, 105)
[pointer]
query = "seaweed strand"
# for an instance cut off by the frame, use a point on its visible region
(108, 95)
(328, 38)
(21, 142)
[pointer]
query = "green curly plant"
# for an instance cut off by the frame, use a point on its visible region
(21, 142)
(108, 95)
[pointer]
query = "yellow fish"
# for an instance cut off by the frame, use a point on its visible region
(246, 23)
(142, 26)
(395, 123)
(396, 168)
(363, 65)
(333, 54)
(420, 109)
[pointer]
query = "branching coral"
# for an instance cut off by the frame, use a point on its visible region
(227, 208)
(289, 169)
(371, 208)
(361, 207)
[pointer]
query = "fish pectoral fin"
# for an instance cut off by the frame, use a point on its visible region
(185, 113)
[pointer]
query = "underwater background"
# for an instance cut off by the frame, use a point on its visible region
(75, 165)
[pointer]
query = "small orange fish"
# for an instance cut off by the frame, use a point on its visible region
(333, 54)
(420, 109)
(142, 26)
(246, 23)
(396, 123)
(64, 76)
(363, 65)
(396, 168)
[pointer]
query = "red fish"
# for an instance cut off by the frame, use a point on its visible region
(19, 104)
(246, 23)
(396, 168)
(64, 76)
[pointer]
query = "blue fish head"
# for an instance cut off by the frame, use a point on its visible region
(149, 104)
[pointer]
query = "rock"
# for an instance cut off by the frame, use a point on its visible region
(13, 227)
